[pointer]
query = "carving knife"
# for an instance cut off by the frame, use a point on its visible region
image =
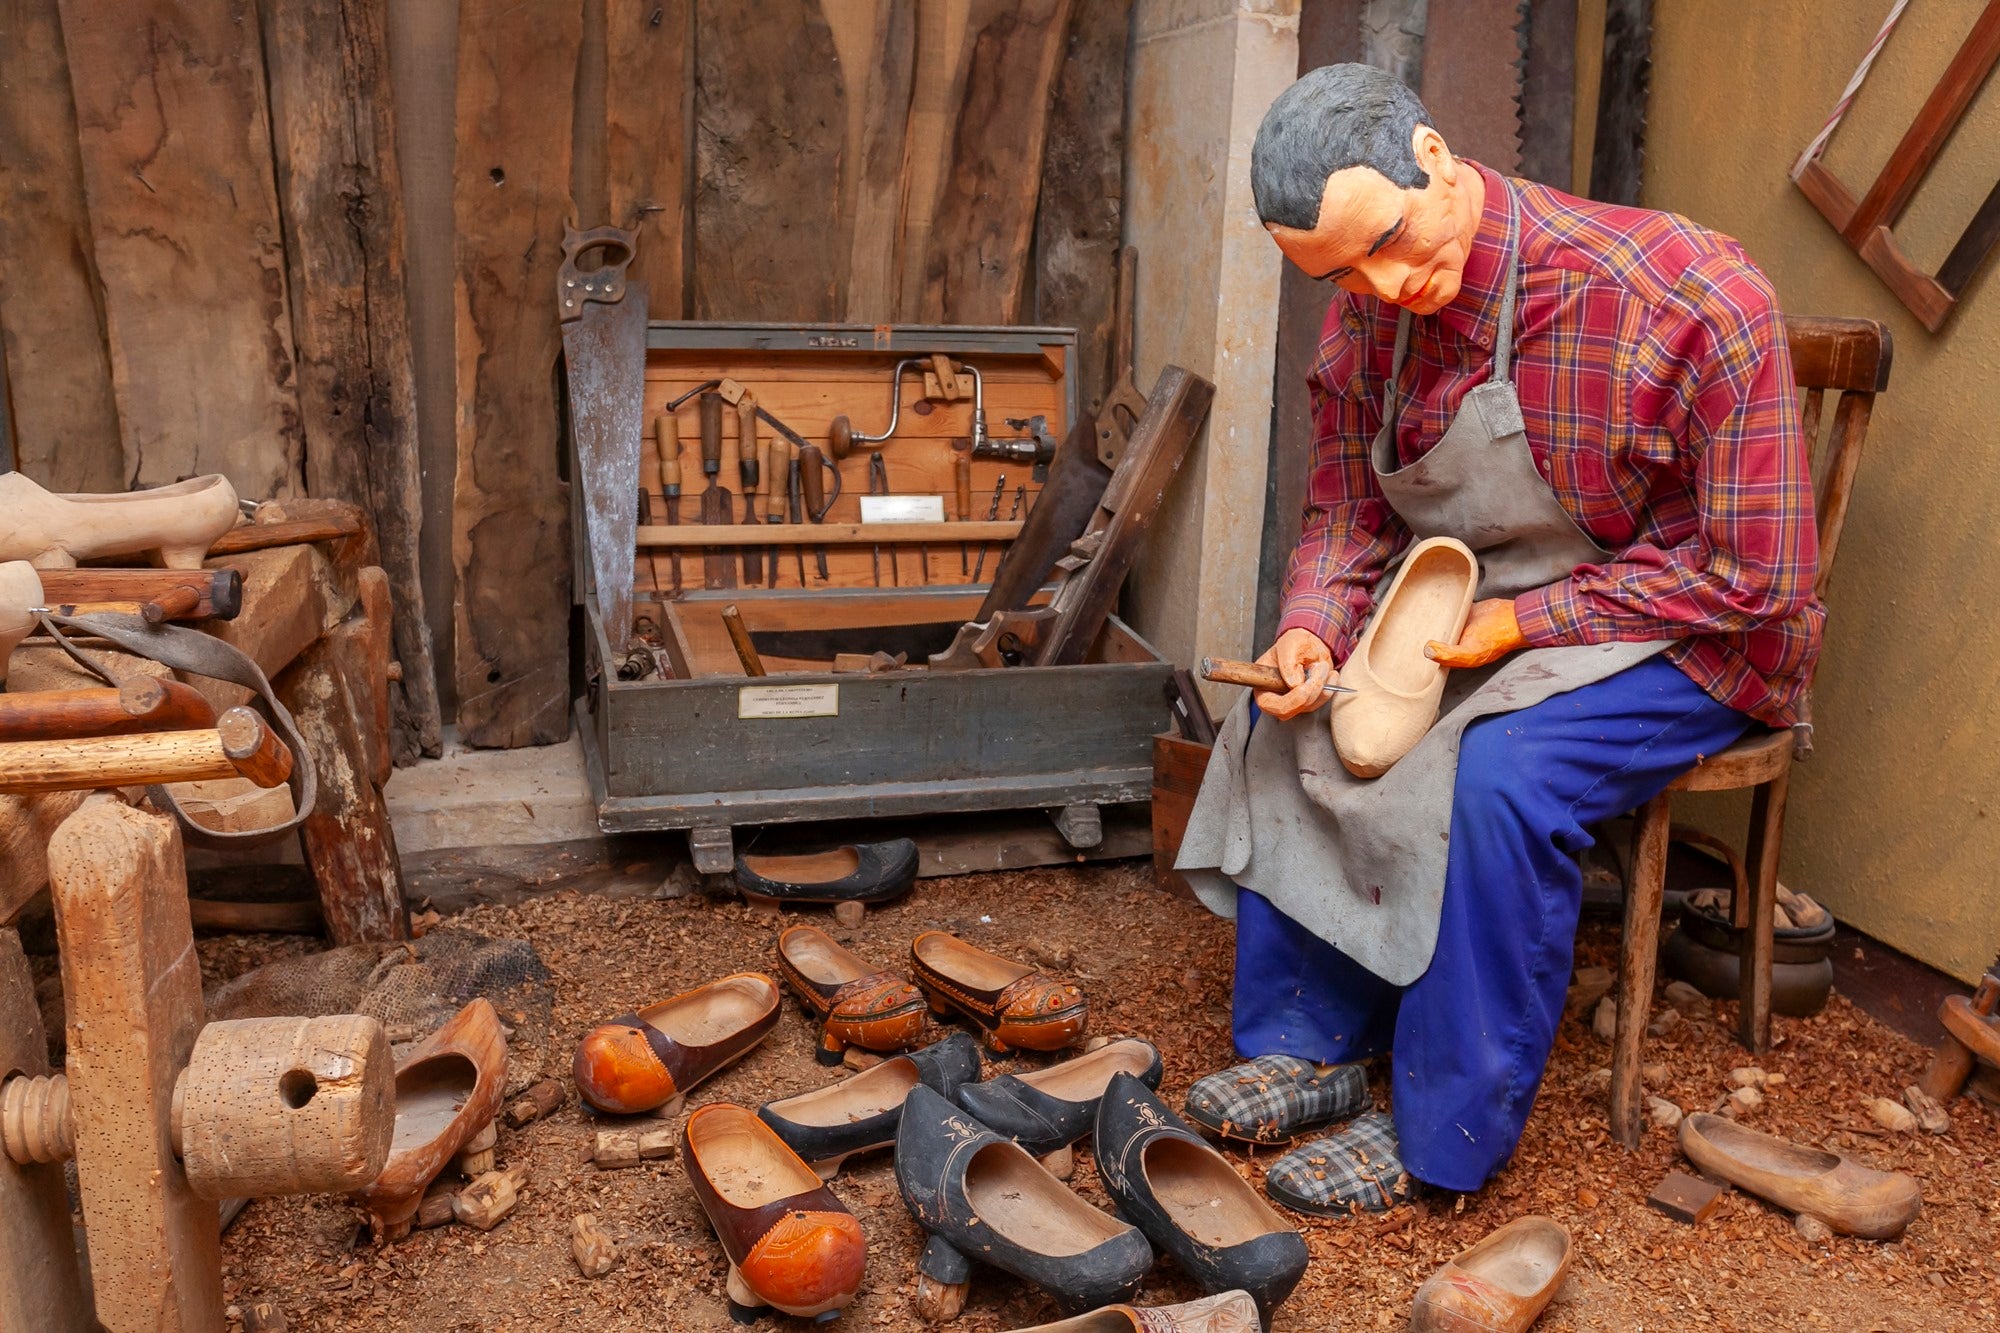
(718, 567)
(1255, 676)
(748, 467)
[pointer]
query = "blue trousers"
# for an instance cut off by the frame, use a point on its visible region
(1470, 1036)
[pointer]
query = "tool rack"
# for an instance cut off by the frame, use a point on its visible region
(686, 740)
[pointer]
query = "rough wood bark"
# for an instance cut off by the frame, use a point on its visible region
(349, 845)
(1472, 78)
(39, 1285)
(175, 142)
(132, 990)
(510, 524)
(59, 409)
(876, 41)
(340, 189)
(975, 264)
(1081, 222)
(769, 121)
(648, 95)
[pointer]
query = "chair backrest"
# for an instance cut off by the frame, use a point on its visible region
(1850, 357)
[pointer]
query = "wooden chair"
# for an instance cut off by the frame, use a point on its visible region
(1850, 357)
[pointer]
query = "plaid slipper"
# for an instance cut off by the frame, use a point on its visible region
(1276, 1098)
(1356, 1170)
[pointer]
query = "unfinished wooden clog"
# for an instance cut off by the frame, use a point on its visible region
(1395, 687)
(1850, 1198)
(173, 525)
(1500, 1285)
(447, 1091)
(20, 590)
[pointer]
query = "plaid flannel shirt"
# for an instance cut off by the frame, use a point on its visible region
(1656, 384)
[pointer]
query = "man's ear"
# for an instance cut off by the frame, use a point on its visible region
(1432, 154)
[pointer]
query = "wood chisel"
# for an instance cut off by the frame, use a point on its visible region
(812, 485)
(748, 466)
(718, 566)
(776, 464)
(961, 474)
(1255, 675)
(796, 498)
(667, 441)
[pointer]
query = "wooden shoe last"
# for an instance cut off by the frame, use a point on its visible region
(1013, 1005)
(447, 1091)
(20, 589)
(639, 1062)
(174, 525)
(791, 1244)
(1395, 687)
(1849, 1197)
(856, 1003)
(1500, 1285)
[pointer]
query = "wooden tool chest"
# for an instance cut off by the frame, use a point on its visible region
(678, 736)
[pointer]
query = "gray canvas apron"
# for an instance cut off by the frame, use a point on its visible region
(1361, 862)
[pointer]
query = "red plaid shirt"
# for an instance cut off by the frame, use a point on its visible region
(1656, 383)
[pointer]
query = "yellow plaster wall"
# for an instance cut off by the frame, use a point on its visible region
(1895, 821)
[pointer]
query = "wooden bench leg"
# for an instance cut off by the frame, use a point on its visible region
(1639, 951)
(40, 1287)
(349, 846)
(1767, 833)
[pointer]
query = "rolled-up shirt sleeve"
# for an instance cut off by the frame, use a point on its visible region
(1349, 532)
(1715, 389)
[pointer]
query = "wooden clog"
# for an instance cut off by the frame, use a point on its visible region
(1850, 1198)
(791, 1244)
(862, 872)
(447, 1092)
(174, 525)
(20, 589)
(1012, 1004)
(642, 1061)
(1230, 1312)
(1499, 1285)
(1395, 687)
(856, 1003)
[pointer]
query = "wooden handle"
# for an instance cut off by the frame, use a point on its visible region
(1243, 673)
(711, 432)
(143, 703)
(291, 532)
(828, 534)
(115, 761)
(731, 460)
(840, 437)
(961, 475)
(812, 480)
(174, 604)
(775, 461)
(253, 747)
(750, 461)
(667, 441)
(218, 592)
(739, 638)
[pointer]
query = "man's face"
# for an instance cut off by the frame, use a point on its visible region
(1407, 247)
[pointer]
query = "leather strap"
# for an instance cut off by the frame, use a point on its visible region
(205, 655)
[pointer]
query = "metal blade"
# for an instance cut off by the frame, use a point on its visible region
(604, 350)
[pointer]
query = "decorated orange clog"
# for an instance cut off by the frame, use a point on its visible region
(639, 1062)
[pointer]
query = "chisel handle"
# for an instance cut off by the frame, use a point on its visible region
(751, 460)
(961, 473)
(777, 459)
(812, 481)
(711, 432)
(667, 442)
(1255, 675)
(731, 459)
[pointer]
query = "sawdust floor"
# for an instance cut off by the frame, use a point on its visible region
(1158, 967)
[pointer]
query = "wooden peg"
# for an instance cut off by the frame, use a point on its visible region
(40, 1287)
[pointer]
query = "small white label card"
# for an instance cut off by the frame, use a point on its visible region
(754, 701)
(902, 509)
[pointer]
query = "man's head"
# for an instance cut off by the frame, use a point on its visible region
(1354, 185)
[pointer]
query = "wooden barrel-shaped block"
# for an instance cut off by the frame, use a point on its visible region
(286, 1106)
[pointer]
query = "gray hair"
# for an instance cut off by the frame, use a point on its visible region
(1334, 117)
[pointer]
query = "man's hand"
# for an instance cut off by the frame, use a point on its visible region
(1491, 632)
(1306, 663)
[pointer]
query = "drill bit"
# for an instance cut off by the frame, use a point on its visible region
(992, 513)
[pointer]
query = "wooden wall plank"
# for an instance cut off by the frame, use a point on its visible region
(340, 190)
(876, 41)
(648, 99)
(60, 411)
(175, 141)
(1081, 221)
(510, 522)
(770, 118)
(975, 262)
(1472, 78)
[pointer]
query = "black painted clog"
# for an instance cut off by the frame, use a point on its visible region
(828, 1125)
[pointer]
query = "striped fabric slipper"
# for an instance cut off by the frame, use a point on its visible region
(1276, 1098)
(1356, 1170)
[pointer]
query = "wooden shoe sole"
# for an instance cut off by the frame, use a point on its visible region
(1395, 687)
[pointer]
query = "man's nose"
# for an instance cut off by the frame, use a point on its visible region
(1385, 279)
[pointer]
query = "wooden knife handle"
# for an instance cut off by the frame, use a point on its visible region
(812, 481)
(773, 461)
(750, 458)
(1243, 673)
(711, 432)
(961, 469)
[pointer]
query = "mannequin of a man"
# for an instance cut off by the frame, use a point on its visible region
(1641, 507)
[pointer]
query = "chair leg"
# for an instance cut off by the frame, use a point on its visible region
(1645, 887)
(1767, 833)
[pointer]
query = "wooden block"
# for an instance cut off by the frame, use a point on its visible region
(175, 143)
(361, 646)
(476, 1158)
(39, 1283)
(488, 1201)
(436, 1209)
(1687, 1198)
(291, 596)
(615, 1148)
(591, 1246)
(132, 983)
(657, 1143)
(541, 1099)
(26, 824)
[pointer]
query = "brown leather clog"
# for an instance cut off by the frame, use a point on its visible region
(1849, 1197)
(447, 1091)
(1500, 1285)
(791, 1244)
(856, 1003)
(1013, 1005)
(641, 1061)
